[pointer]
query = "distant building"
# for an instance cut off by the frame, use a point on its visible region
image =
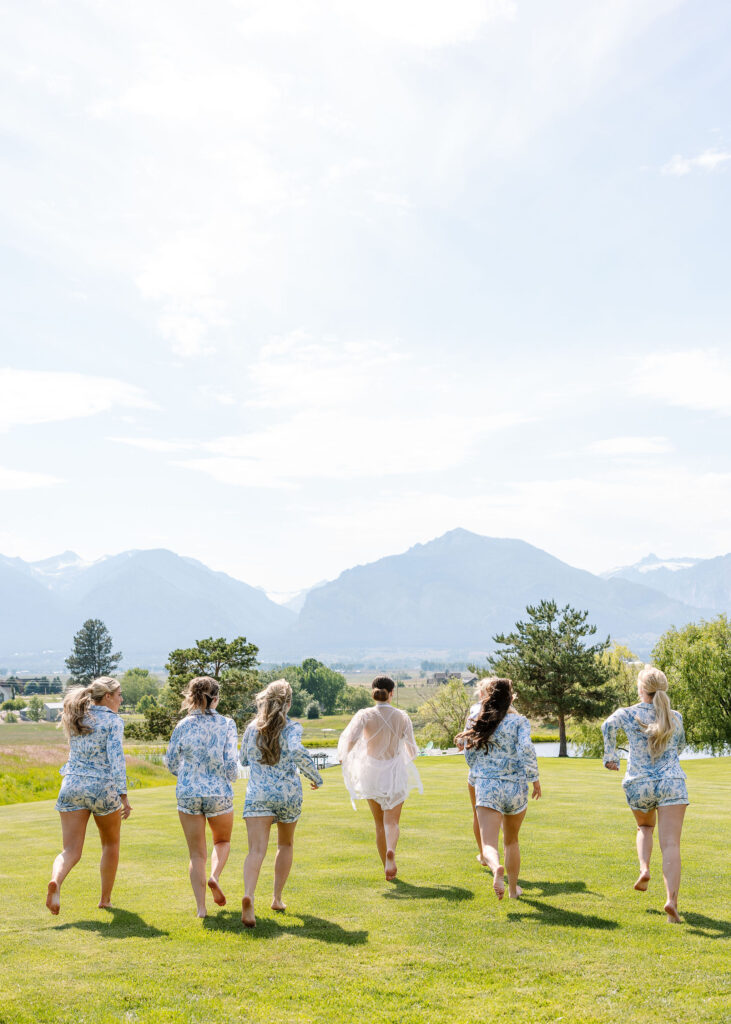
(7, 691)
(469, 678)
(52, 711)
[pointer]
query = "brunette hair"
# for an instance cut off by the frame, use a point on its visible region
(497, 696)
(655, 684)
(199, 694)
(381, 687)
(272, 705)
(78, 700)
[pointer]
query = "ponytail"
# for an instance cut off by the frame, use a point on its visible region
(79, 699)
(655, 684)
(200, 694)
(272, 707)
(497, 696)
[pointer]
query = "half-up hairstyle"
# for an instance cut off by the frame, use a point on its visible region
(381, 687)
(272, 705)
(497, 696)
(655, 684)
(79, 699)
(200, 694)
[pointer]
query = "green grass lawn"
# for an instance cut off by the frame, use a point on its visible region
(581, 946)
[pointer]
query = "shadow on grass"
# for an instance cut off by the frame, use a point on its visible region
(317, 928)
(548, 914)
(121, 924)
(406, 891)
(699, 924)
(557, 888)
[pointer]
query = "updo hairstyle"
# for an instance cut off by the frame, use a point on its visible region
(381, 687)
(200, 694)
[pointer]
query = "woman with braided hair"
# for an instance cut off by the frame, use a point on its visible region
(94, 782)
(502, 761)
(272, 750)
(654, 783)
(202, 754)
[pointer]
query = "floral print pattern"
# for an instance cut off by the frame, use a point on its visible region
(501, 773)
(275, 789)
(95, 774)
(202, 753)
(648, 782)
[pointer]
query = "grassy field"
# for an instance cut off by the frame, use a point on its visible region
(581, 946)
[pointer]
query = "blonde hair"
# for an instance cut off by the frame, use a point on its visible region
(77, 701)
(272, 705)
(655, 684)
(200, 693)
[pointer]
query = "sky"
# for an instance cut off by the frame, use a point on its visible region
(288, 286)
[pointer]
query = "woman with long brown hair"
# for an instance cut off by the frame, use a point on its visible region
(272, 749)
(654, 783)
(94, 782)
(502, 762)
(202, 754)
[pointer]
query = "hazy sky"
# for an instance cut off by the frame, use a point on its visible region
(288, 286)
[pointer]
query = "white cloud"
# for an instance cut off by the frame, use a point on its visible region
(709, 160)
(694, 379)
(36, 396)
(20, 480)
(155, 444)
(428, 23)
(630, 446)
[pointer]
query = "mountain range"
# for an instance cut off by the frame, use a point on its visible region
(448, 596)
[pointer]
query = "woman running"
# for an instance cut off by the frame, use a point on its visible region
(376, 751)
(272, 749)
(480, 691)
(202, 753)
(95, 782)
(502, 762)
(654, 783)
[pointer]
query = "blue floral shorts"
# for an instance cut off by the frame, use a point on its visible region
(285, 806)
(209, 805)
(509, 796)
(79, 793)
(647, 794)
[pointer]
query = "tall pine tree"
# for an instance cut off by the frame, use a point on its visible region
(92, 654)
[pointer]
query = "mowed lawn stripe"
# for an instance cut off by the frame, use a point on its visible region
(582, 946)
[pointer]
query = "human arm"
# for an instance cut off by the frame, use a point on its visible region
(230, 754)
(681, 733)
(610, 728)
(350, 735)
(243, 752)
(527, 753)
(302, 757)
(173, 755)
(411, 749)
(115, 756)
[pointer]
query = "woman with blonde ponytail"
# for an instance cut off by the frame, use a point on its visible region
(654, 783)
(202, 754)
(272, 750)
(94, 782)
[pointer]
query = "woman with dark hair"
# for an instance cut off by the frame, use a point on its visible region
(376, 751)
(272, 749)
(202, 753)
(502, 762)
(94, 782)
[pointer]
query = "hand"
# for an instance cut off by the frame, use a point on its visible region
(126, 809)
(536, 794)
(612, 766)
(314, 785)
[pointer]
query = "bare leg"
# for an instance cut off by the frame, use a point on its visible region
(194, 829)
(670, 825)
(645, 827)
(391, 820)
(490, 821)
(476, 826)
(377, 812)
(511, 828)
(283, 860)
(221, 827)
(257, 830)
(73, 832)
(109, 826)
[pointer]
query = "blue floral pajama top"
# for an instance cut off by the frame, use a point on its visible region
(502, 772)
(95, 775)
(275, 789)
(647, 783)
(202, 753)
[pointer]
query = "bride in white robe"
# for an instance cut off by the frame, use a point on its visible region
(377, 751)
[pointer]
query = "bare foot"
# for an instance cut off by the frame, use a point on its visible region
(643, 881)
(481, 860)
(247, 912)
(498, 882)
(517, 894)
(53, 898)
(672, 911)
(391, 869)
(104, 906)
(202, 913)
(218, 898)
(278, 905)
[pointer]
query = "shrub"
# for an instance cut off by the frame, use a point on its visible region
(11, 716)
(13, 705)
(313, 709)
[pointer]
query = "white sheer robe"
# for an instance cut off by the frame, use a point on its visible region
(377, 750)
